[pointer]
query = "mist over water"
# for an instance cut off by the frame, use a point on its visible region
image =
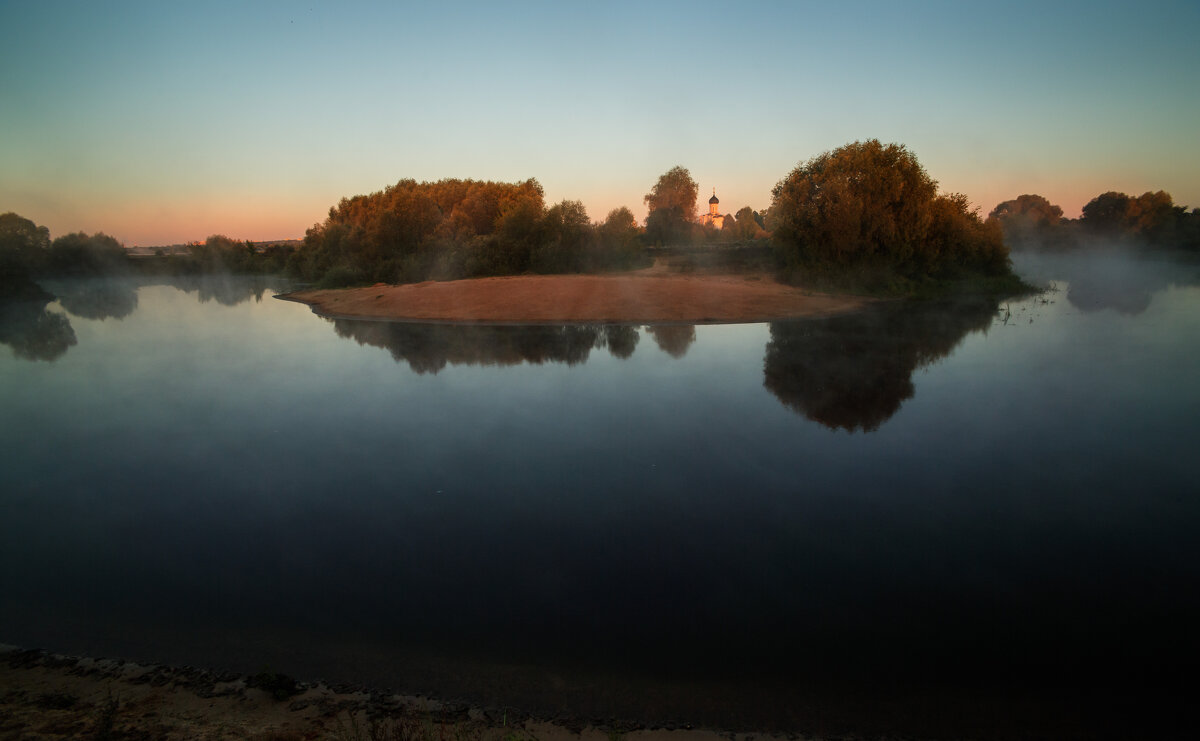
(634, 521)
(1110, 275)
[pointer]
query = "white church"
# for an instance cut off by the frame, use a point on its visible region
(712, 217)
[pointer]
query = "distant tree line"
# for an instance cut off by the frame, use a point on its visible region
(866, 214)
(1151, 220)
(452, 228)
(222, 254)
(27, 253)
(455, 228)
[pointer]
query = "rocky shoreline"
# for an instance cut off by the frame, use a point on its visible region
(45, 695)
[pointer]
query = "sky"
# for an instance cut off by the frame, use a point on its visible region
(166, 122)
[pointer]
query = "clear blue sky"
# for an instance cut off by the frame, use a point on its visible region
(165, 122)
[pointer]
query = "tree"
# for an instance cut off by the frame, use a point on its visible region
(1151, 218)
(871, 203)
(1029, 220)
(616, 242)
(672, 207)
(619, 230)
(1154, 217)
(858, 201)
(1106, 213)
(23, 248)
(413, 231)
(729, 230)
(80, 254)
(567, 235)
(1030, 209)
(748, 225)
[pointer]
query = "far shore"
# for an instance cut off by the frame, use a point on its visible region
(648, 296)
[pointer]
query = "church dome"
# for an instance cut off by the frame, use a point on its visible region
(714, 199)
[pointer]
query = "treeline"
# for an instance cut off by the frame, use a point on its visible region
(27, 254)
(1152, 220)
(454, 228)
(221, 254)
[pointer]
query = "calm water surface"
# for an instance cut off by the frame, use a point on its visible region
(610, 519)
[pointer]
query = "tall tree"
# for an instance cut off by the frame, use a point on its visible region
(23, 250)
(672, 207)
(869, 202)
(80, 254)
(1029, 221)
(1106, 213)
(748, 226)
(859, 200)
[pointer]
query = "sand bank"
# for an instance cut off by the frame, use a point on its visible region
(642, 297)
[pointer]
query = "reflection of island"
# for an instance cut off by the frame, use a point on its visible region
(854, 371)
(427, 348)
(32, 332)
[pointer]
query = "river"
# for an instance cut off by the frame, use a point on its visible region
(721, 524)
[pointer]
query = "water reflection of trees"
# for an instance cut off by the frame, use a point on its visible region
(673, 339)
(226, 289)
(32, 332)
(1112, 277)
(854, 371)
(98, 299)
(427, 348)
(1124, 290)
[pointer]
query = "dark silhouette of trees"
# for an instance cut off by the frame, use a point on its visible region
(1106, 214)
(1150, 219)
(672, 208)
(23, 250)
(1027, 209)
(868, 203)
(80, 254)
(1030, 221)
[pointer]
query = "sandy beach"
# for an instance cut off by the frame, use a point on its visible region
(642, 297)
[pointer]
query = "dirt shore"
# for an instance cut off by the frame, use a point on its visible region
(641, 297)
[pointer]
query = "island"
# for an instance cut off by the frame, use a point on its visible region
(651, 295)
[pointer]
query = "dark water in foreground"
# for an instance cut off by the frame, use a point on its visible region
(718, 522)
